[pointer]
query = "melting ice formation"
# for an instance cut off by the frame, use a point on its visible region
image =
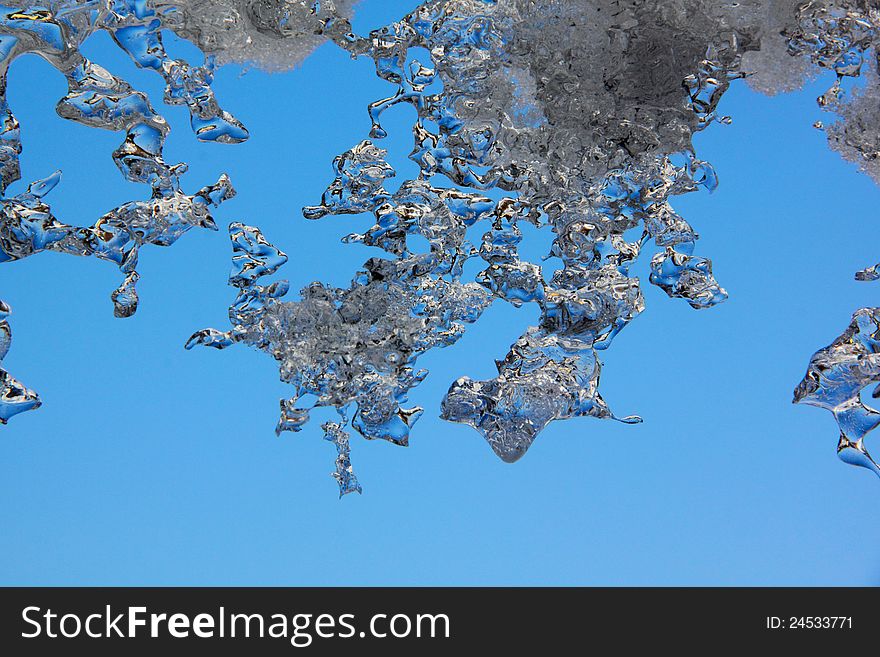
(578, 113)
(14, 397)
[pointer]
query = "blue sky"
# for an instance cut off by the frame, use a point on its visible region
(148, 464)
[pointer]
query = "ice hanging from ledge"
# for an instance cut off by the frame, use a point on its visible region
(578, 116)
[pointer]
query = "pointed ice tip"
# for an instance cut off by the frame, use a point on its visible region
(40, 188)
(345, 491)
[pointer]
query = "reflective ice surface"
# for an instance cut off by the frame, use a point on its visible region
(14, 397)
(574, 116)
(835, 379)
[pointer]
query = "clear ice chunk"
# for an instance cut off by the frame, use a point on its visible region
(353, 349)
(835, 379)
(15, 398)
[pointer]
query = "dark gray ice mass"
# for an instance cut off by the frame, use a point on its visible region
(578, 115)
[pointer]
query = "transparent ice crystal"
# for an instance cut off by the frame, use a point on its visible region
(15, 398)
(574, 116)
(835, 379)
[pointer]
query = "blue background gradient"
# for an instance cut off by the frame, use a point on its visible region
(149, 465)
